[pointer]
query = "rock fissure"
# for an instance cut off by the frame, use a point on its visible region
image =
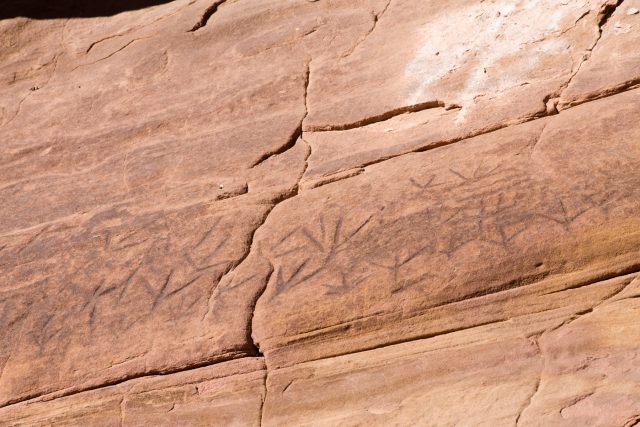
(129, 279)
(594, 280)
(395, 342)
(93, 44)
(125, 32)
(378, 118)
(297, 134)
(606, 11)
(18, 108)
(536, 389)
(333, 178)
(263, 398)
(537, 141)
(633, 422)
(206, 15)
(577, 21)
(562, 324)
(283, 197)
(121, 405)
(376, 18)
(589, 310)
(631, 269)
(288, 196)
(443, 143)
(576, 401)
(126, 45)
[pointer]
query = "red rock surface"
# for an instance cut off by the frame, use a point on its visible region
(292, 212)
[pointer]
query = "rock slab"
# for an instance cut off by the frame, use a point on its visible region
(372, 212)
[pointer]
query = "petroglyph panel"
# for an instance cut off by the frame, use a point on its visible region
(116, 291)
(480, 217)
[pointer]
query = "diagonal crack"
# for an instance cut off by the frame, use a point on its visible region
(293, 193)
(527, 403)
(633, 422)
(414, 108)
(297, 136)
(606, 11)
(589, 310)
(206, 15)
(566, 322)
(339, 176)
(263, 398)
(126, 45)
(537, 141)
(376, 18)
(93, 44)
(232, 355)
(291, 142)
(121, 405)
(18, 108)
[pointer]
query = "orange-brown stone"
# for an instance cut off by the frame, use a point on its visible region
(291, 212)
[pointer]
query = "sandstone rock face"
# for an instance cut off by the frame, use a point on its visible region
(292, 212)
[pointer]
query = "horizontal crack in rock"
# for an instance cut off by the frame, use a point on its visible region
(377, 118)
(433, 145)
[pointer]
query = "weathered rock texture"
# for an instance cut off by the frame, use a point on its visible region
(333, 212)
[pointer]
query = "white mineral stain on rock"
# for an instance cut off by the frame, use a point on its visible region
(620, 28)
(488, 47)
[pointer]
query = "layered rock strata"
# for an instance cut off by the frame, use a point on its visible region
(261, 212)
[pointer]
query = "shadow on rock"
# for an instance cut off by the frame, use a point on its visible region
(52, 9)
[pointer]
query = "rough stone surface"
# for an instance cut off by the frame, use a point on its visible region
(333, 212)
(229, 393)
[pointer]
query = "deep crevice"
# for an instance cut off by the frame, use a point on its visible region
(289, 195)
(296, 136)
(606, 11)
(206, 15)
(634, 422)
(291, 142)
(294, 192)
